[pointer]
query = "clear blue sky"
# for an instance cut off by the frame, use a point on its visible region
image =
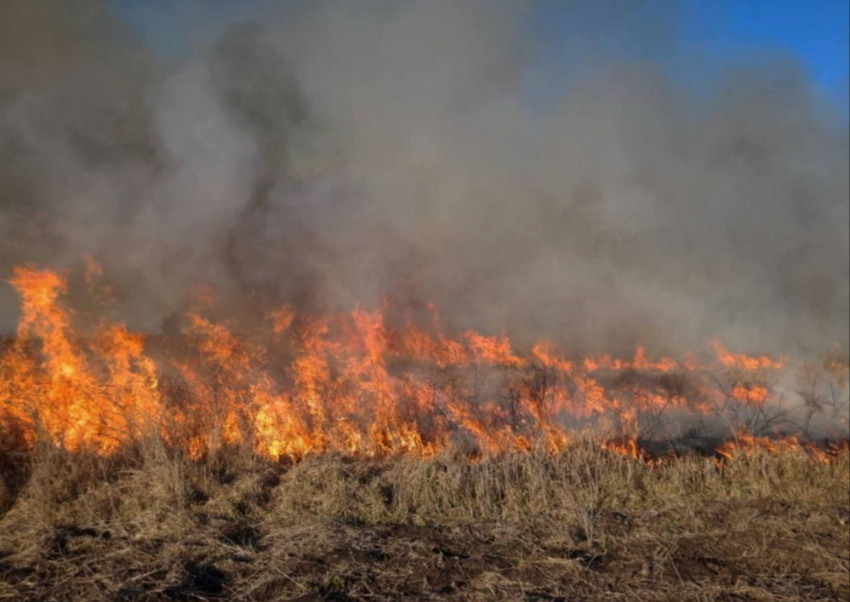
(671, 32)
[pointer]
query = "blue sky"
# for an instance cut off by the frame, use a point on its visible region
(678, 34)
(816, 31)
(694, 39)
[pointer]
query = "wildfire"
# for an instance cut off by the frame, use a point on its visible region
(350, 384)
(51, 388)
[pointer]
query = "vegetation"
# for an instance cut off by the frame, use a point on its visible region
(584, 524)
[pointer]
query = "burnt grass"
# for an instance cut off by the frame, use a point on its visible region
(584, 525)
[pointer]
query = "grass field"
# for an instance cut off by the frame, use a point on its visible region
(586, 524)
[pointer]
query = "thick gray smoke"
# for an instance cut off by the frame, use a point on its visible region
(337, 152)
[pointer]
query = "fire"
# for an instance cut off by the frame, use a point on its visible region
(744, 362)
(66, 397)
(625, 447)
(748, 444)
(350, 384)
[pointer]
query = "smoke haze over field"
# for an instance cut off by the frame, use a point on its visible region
(334, 153)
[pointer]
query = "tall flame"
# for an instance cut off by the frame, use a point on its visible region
(51, 386)
(347, 383)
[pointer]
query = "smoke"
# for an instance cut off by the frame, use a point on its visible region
(335, 153)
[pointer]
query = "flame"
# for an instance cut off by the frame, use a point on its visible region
(347, 383)
(66, 397)
(744, 362)
(748, 444)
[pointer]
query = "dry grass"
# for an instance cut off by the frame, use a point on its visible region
(584, 525)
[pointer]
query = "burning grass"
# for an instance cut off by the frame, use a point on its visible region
(335, 457)
(351, 384)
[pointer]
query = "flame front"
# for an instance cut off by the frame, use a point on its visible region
(51, 388)
(346, 383)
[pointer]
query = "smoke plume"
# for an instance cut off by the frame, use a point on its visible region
(334, 154)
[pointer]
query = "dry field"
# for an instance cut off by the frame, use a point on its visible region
(586, 524)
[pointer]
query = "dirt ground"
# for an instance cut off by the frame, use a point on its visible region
(758, 551)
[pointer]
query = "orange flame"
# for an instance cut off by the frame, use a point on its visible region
(349, 384)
